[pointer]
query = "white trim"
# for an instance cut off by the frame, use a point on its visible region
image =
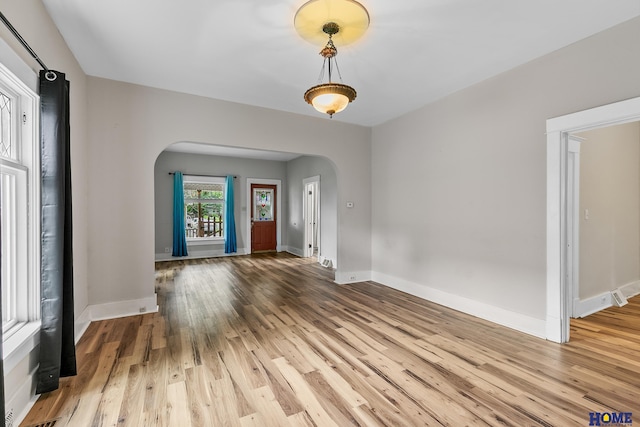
(204, 241)
(585, 307)
(82, 323)
(23, 397)
(112, 310)
(20, 344)
(345, 277)
(606, 115)
(573, 221)
(279, 213)
(557, 130)
(26, 170)
(510, 319)
(17, 66)
(311, 180)
(630, 289)
(294, 251)
(20, 348)
(213, 253)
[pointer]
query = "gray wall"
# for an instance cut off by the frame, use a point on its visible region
(306, 167)
(195, 164)
(459, 186)
(610, 190)
(35, 25)
(130, 127)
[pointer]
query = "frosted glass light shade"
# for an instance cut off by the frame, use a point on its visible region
(330, 98)
(352, 18)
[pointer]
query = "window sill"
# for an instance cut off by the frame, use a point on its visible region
(208, 241)
(20, 344)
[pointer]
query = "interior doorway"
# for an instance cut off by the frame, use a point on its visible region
(559, 247)
(311, 216)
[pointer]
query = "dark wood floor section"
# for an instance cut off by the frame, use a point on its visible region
(270, 340)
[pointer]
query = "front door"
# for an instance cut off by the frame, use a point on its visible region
(263, 218)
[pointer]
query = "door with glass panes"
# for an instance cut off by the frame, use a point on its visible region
(263, 218)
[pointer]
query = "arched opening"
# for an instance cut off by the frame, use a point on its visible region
(287, 170)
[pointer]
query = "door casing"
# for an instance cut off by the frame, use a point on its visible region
(313, 184)
(558, 130)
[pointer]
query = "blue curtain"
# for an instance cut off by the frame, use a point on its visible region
(230, 221)
(179, 234)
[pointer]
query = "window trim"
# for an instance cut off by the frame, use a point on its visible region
(27, 159)
(200, 179)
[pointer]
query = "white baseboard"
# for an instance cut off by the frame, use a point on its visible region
(587, 306)
(510, 319)
(82, 323)
(214, 253)
(112, 310)
(20, 366)
(294, 251)
(631, 289)
(24, 398)
(21, 397)
(300, 253)
(344, 277)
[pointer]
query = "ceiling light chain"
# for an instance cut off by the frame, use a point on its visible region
(329, 53)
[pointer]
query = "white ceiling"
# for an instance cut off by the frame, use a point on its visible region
(247, 51)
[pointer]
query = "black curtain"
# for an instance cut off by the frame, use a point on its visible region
(57, 346)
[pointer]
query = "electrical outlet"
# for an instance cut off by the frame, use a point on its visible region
(167, 250)
(352, 277)
(143, 309)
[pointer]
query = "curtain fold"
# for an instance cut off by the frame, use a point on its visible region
(230, 245)
(57, 341)
(179, 233)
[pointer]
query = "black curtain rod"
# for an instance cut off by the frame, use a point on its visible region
(24, 43)
(199, 174)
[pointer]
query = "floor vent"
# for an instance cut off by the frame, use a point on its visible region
(618, 298)
(49, 423)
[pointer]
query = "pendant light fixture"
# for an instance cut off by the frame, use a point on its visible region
(344, 20)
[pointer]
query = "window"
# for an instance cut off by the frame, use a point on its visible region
(19, 203)
(204, 208)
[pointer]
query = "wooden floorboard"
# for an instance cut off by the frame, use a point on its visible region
(271, 340)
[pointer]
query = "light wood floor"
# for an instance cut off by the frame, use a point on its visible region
(270, 340)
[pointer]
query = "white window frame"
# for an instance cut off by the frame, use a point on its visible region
(24, 222)
(186, 179)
